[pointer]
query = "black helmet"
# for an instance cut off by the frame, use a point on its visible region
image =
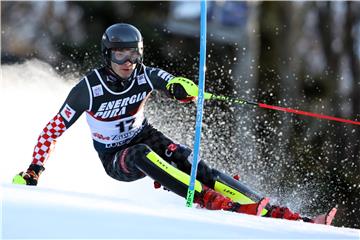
(120, 36)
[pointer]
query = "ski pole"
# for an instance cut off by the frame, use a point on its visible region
(200, 101)
(192, 90)
(210, 96)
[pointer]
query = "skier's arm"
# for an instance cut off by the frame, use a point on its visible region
(75, 104)
(164, 81)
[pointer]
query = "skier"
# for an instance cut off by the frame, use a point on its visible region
(130, 148)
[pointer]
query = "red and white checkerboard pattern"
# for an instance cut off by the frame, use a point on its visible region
(53, 130)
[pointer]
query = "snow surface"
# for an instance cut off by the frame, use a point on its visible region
(76, 199)
(66, 214)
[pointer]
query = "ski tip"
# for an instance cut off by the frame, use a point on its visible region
(330, 216)
(326, 218)
(262, 204)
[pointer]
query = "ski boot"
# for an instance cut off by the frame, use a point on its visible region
(212, 200)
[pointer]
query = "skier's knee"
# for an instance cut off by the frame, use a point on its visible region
(125, 165)
(136, 155)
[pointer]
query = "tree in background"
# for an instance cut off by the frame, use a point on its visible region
(319, 155)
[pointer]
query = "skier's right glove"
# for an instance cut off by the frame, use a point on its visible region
(30, 177)
(182, 89)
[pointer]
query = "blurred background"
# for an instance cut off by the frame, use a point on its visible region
(303, 55)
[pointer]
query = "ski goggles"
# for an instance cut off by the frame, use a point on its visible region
(121, 56)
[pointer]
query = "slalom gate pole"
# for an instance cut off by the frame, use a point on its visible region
(210, 96)
(200, 103)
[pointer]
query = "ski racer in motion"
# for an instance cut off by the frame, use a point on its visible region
(129, 147)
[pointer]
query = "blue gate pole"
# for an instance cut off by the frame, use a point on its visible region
(200, 103)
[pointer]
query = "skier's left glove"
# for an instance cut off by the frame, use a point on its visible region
(182, 89)
(30, 177)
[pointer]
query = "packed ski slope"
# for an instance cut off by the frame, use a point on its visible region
(76, 199)
(64, 214)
